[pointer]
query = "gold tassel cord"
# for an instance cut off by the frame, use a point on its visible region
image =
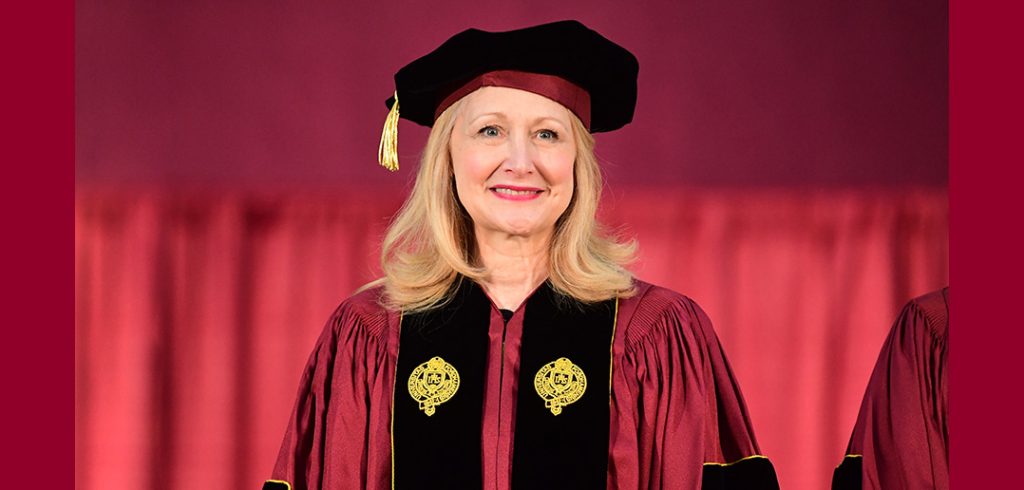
(387, 153)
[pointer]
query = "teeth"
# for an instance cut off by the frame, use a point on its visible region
(511, 192)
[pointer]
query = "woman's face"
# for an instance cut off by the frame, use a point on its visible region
(512, 155)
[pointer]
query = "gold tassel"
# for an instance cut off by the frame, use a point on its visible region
(387, 153)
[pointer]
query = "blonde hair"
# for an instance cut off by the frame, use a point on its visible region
(430, 242)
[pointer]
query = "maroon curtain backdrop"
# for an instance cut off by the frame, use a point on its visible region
(195, 312)
(753, 93)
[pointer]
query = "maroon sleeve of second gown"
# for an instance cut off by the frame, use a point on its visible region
(901, 432)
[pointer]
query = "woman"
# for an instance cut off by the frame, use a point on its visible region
(507, 345)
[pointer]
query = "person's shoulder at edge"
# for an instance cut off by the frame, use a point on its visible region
(655, 309)
(934, 308)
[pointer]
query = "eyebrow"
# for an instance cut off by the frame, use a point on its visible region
(499, 115)
(503, 116)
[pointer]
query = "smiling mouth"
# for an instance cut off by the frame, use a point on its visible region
(515, 192)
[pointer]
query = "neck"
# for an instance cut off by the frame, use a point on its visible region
(515, 266)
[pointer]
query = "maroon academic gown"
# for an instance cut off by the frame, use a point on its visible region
(675, 406)
(900, 439)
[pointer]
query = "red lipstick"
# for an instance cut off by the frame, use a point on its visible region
(516, 193)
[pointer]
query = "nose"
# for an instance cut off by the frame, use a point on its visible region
(520, 157)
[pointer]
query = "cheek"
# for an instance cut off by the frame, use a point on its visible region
(568, 176)
(562, 172)
(471, 167)
(462, 188)
(469, 170)
(567, 180)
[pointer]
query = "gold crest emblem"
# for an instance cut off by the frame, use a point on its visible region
(560, 383)
(433, 383)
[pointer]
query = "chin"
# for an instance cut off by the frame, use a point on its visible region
(519, 231)
(527, 229)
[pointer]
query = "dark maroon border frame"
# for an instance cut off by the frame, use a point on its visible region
(37, 363)
(987, 334)
(986, 260)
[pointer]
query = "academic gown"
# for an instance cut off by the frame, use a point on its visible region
(675, 416)
(900, 440)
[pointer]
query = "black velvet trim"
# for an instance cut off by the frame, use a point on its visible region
(569, 450)
(848, 475)
(752, 473)
(276, 485)
(442, 450)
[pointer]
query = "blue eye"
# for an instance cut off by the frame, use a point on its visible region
(489, 131)
(547, 134)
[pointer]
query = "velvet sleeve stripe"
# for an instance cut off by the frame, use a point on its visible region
(847, 476)
(276, 485)
(753, 473)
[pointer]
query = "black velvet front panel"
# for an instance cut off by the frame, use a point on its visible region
(569, 450)
(848, 475)
(752, 473)
(442, 450)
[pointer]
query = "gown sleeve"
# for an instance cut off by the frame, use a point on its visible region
(900, 440)
(693, 427)
(333, 438)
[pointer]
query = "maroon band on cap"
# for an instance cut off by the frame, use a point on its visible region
(558, 89)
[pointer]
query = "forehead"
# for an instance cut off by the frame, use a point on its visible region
(512, 103)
